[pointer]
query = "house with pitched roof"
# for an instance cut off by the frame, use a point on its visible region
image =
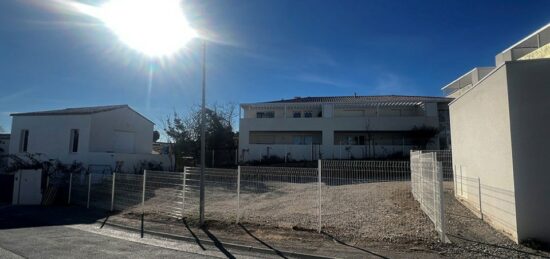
(102, 136)
(343, 127)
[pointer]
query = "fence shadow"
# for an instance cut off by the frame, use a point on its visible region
(279, 253)
(197, 240)
(352, 246)
(217, 243)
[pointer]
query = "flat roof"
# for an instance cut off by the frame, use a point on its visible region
(354, 99)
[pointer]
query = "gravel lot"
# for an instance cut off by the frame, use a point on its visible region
(382, 215)
(371, 211)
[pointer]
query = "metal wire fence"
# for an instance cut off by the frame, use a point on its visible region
(220, 194)
(369, 197)
(351, 198)
(446, 159)
(489, 203)
(427, 187)
(279, 196)
(163, 194)
(101, 190)
(78, 189)
(128, 192)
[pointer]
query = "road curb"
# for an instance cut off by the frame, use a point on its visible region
(212, 243)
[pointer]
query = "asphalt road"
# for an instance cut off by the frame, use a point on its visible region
(65, 242)
(38, 232)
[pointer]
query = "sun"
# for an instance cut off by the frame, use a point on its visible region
(156, 28)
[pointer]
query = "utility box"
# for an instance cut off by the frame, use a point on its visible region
(27, 187)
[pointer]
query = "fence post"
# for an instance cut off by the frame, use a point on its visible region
(455, 180)
(435, 174)
(143, 192)
(213, 160)
(479, 192)
(439, 166)
(238, 193)
(319, 170)
(70, 187)
(421, 177)
(461, 181)
(113, 192)
(183, 191)
(89, 188)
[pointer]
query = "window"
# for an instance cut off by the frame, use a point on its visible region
(24, 142)
(74, 140)
(306, 140)
(308, 114)
(350, 138)
(267, 114)
(297, 114)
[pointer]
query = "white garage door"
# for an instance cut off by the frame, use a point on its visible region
(124, 142)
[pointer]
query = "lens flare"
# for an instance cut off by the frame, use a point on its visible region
(156, 28)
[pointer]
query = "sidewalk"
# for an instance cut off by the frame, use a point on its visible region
(276, 240)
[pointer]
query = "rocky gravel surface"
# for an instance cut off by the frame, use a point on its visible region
(379, 216)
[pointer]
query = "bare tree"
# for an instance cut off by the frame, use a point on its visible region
(184, 131)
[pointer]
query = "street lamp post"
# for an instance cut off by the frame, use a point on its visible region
(158, 29)
(203, 134)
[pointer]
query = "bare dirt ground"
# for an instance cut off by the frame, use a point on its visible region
(360, 220)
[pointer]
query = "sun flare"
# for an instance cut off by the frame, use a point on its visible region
(156, 28)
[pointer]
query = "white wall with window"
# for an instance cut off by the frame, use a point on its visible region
(75, 134)
(49, 134)
(94, 138)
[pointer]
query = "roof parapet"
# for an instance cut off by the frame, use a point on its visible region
(534, 41)
(464, 82)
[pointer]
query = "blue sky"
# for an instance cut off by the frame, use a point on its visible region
(260, 50)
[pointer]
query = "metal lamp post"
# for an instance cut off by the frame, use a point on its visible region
(203, 134)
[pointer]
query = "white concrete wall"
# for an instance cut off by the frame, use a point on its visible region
(482, 147)
(529, 96)
(105, 124)
(50, 134)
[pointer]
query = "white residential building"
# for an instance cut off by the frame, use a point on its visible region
(500, 122)
(94, 136)
(341, 127)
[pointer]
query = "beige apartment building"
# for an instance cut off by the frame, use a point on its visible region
(343, 127)
(500, 120)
